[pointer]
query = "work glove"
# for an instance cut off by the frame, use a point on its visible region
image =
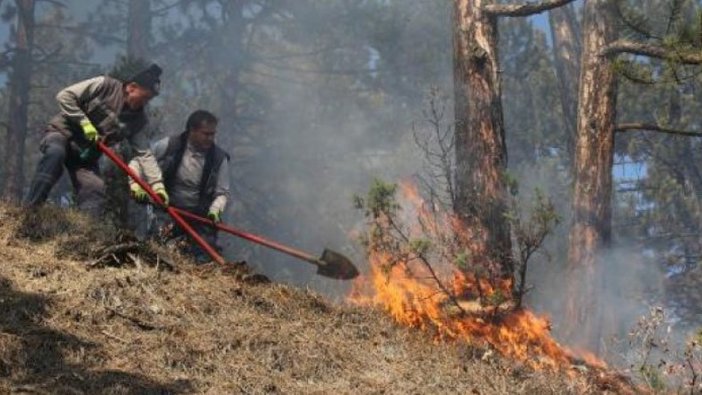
(215, 216)
(161, 192)
(89, 130)
(90, 153)
(138, 193)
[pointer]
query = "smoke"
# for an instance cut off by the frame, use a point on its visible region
(317, 100)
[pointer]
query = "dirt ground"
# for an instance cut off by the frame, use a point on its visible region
(77, 318)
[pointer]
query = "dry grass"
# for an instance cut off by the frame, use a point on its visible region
(142, 329)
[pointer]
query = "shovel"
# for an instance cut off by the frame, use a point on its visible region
(331, 264)
(170, 210)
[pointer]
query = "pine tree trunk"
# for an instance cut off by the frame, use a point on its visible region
(566, 52)
(20, 79)
(235, 27)
(120, 208)
(481, 153)
(139, 29)
(590, 233)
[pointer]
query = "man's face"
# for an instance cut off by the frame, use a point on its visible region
(202, 137)
(137, 96)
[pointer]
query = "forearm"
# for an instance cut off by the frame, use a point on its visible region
(222, 190)
(149, 169)
(135, 165)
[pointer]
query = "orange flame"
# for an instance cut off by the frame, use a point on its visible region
(411, 296)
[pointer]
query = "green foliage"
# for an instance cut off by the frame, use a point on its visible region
(511, 182)
(496, 298)
(653, 377)
(380, 200)
(462, 260)
(530, 235)
(419, 246)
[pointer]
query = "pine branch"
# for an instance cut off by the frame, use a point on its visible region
(653, 51)
(526, 9)
(626, 127)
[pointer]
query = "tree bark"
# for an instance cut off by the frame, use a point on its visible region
(590, 232)
(120, 207)
(235, 27)
(567, 47)
(139, 29)
(481, 154)
(19, 101)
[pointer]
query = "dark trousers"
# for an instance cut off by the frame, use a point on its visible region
(208, 233)
(57, 152)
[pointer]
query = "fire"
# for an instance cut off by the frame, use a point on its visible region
(410, 293)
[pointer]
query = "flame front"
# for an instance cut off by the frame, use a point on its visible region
(411, 295)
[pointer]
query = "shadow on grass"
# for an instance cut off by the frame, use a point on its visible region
(36, 358)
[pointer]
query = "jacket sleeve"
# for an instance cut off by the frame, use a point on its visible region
(146, 159)
(71, 99)
(222, 191)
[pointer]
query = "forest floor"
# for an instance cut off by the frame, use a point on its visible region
(85, 310)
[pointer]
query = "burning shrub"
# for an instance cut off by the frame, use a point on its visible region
(425, 274)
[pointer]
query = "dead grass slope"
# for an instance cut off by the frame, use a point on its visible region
(145, 329)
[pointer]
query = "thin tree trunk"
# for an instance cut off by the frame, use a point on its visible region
(124, 212)
(19, 101)
(139, 29)
(481, 155)
(235, 28)
(590, 232)
(566, 52)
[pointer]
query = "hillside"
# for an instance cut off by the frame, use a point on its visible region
(73, 323)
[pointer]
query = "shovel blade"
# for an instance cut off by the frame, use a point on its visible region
(334, 265)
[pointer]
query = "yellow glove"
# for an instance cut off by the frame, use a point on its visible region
(161, 192)
(138, 193)
(89, 130)
(215, 216)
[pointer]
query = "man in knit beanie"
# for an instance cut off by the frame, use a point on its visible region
(101, 108)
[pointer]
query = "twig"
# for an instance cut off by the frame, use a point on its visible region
(115, 337)
(426, 263)
(136, 321)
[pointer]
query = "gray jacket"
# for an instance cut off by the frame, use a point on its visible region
(188, 187)
(101, 100)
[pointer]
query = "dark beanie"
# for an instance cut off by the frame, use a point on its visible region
(149, 78)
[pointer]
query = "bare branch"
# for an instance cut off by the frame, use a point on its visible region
(625, 127)
(653, 51)
(526, 9)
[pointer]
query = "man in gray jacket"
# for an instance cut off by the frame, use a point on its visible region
(98, 108)
(195, 173)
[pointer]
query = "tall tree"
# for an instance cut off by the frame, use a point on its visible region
(591, 227)
(18, 104)
(481, 154)
(592, 191)
(139, 29)
(566, 52)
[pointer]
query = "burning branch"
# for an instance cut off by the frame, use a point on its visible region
(388, 236)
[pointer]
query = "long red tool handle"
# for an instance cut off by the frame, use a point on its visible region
(171, 210)
(248, 236)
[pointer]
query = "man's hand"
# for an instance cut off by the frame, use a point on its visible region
(161, 192)
(89, 130)
(215, 216)
(138, 193)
